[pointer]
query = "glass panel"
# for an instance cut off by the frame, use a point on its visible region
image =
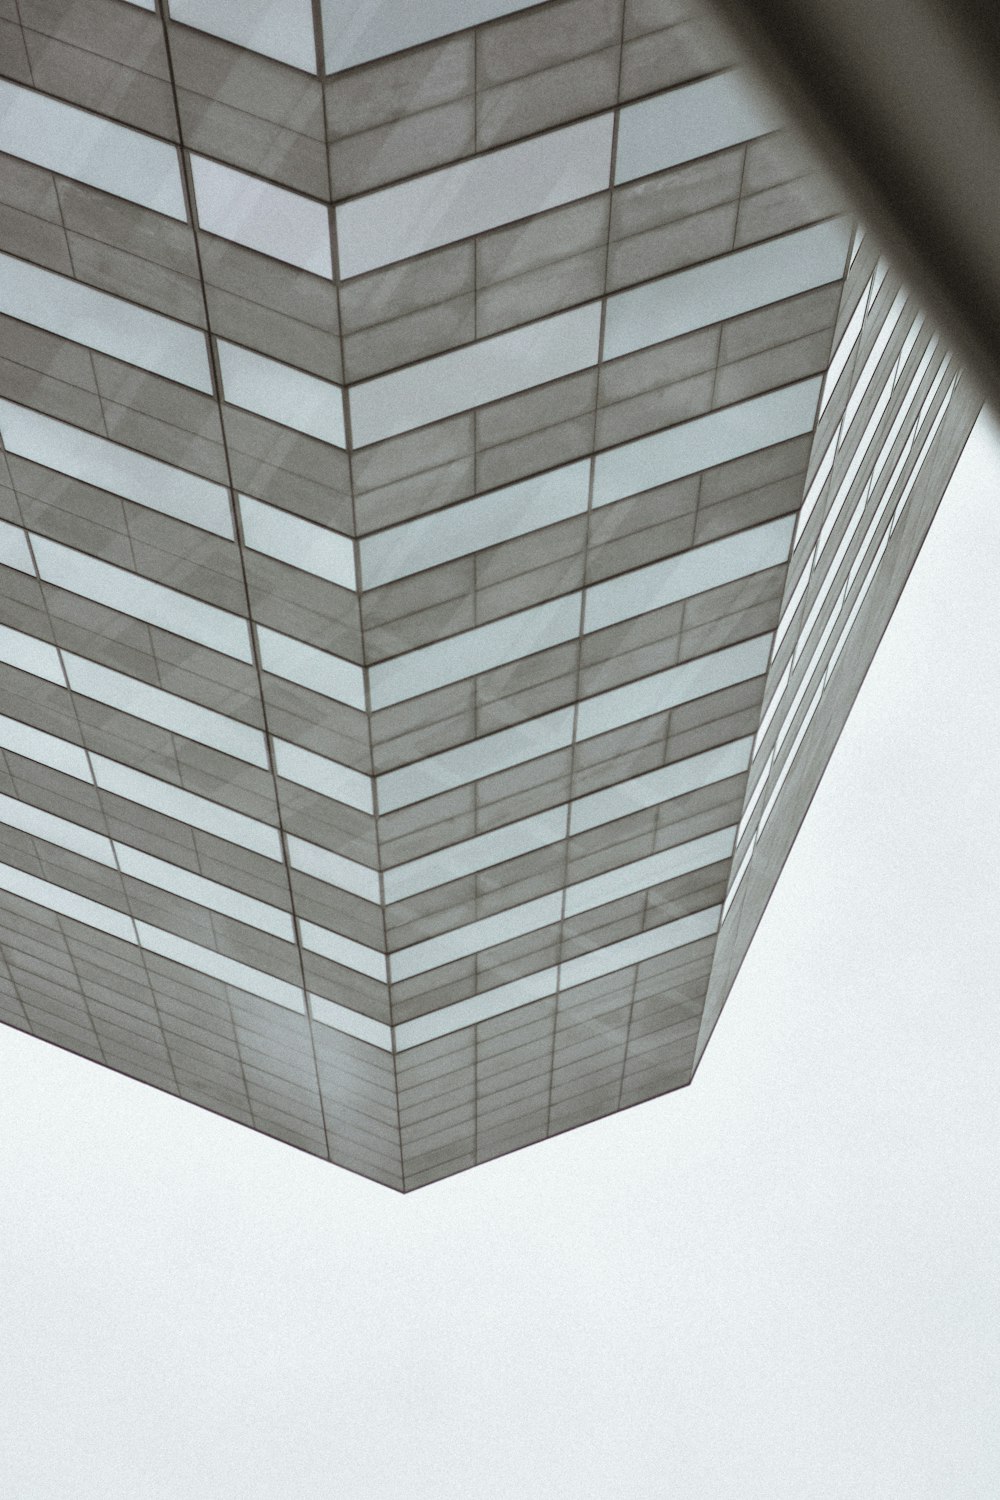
(327, 777)
(644, 873)
(323, 864)
(114, 326)
(476, 854)
(477, 1008)
(473, 651)
(688, 122)
(474, 937)
(92, 149)
(318, 670)
(659, 786)
(263, 217)
(158, 605)
(692, 679)
(728, 433)
(61, 831)
(351, 1022)
(635, 949)
(300, 543)
(282, 393)
(28, 654)
(470, 376)
(282, 29)
(708, 567)
(47, 749)
(186, 807)
(342, 950)
(482, 757)
(472, 196)
(111, 466)
(208, 893)
(723, 288)
(57, 898)
(358, 31)
(207, 961)
(179, 715)
(497, 517)
(14, 549)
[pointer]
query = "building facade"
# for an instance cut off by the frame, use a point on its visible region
(458, 462)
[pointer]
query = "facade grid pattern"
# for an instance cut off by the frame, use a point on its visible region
(441, 451)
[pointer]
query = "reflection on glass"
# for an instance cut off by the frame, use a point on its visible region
(142, 598)
(92, 149)
(300, 543)
(473, 196)
(358, 31)
(282, 393)
(723, 288)
(282, 29)
(111, 324)
(262, 216)
(688, 122)
(477, 373)
(722, 435)
(112, 466)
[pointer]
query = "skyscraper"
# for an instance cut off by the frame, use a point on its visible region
(459, 461)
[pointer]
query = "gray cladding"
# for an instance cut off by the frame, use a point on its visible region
(446, 454)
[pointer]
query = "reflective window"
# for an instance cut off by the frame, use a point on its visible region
(44, 825)
(207, 961)
(473, 524)
(351, 1021)
(473, 651)
(480, 1007)
(282, 29)
(474, 937)
(179, 715)
(635, 949)
(692, 679)
(262, 216)
(204, 892)
(693, 120)
(728, 433)
(723, 288)
(358, 31)
(282, 393)
(691, 572)
(476, 854)
(166, 608)
(28, 654)
(482, 757)
(318, 670)
(472, 196)
(327, 777)
(323, 864)
(641, 874)
(92, 149)
(659, 786)
(342, 950)
(114, 326)
(302, 544)
(47, 749)
(112, 466)
(67, 903)
(477, 373)
(14, 549)
(186, 807)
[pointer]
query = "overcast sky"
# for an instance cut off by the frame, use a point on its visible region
(778, 1284)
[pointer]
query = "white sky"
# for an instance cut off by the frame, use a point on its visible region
(779, 1284)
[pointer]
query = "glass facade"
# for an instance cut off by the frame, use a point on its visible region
(446, 451)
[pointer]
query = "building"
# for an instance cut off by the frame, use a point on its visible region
(459, 461)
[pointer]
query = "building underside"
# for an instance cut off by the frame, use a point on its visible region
(458, 463)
